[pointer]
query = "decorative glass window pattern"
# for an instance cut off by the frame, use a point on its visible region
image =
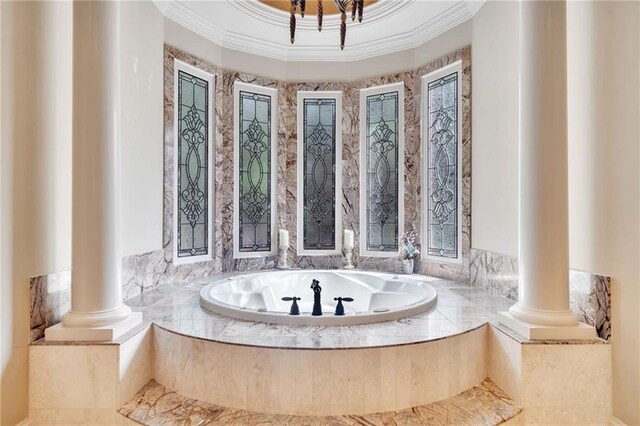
(255, 170)
(381, 169)
(319, 173)
(193, 95)
(441, 144)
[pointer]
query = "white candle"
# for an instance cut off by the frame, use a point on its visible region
(348, 239)
(284, 238)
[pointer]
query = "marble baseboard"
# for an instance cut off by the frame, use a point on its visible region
(590, 294)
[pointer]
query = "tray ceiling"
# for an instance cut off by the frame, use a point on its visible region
(254, 27)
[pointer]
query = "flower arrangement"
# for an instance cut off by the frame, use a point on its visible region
(408, 249)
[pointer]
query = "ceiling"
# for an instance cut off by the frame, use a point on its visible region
(254, 27)
(311, 8)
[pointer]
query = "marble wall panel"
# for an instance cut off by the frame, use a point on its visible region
(556, 389)
(135, 364)
(73, 377)
(50, 299)
(149, 270)
(294, 381)
(590, 294)
(286, 168)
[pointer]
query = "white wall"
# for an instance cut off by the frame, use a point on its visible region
(35, 155)
(495, 106)
(604, 179)
(36, 177)
(604, 157)
(180, 37)
(406, 60)
(142, 71)
(4, 246)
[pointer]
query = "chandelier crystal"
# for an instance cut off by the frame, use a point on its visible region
(357, 7)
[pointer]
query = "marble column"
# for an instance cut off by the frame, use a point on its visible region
(97, 312)
(542, 310)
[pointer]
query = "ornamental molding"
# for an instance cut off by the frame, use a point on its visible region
(272, 19)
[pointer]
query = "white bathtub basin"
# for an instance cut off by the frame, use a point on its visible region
(377, 296)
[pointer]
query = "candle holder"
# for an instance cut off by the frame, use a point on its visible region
(348, 258)
(282, 260)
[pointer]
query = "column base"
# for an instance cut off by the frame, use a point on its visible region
(104, 333)
(579, 331)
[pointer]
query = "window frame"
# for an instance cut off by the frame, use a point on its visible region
(364, 94)
(337, 96)
(455, 67)
(239, 86)
(211, 80)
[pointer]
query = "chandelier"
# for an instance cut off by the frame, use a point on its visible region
(343, 5)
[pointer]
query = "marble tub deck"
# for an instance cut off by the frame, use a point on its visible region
(460, 308)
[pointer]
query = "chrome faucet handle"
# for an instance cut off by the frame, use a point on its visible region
(295, 310)
(340, 306)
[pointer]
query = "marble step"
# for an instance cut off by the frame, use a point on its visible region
(154, 404)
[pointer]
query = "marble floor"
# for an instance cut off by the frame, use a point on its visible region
(460, 308)
(485, 404)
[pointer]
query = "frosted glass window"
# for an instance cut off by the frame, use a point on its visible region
(442, 145)
(255, 170)
(382, 166)
(319, 180)
(193, 191)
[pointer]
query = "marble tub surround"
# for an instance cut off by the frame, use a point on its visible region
(149, 270)
(383, 367)
(175, 307)
(461, 308)
(319, 382)
(590, 294)
(485, 404)
(286, 214)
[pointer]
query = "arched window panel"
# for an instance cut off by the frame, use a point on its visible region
(442, 146)
(319, 193)
(381, 169)
(193, 163)
(255, 144)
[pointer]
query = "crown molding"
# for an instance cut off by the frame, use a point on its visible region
(181, 13)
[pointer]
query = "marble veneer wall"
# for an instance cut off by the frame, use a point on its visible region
(51, 295)
(590, 294)
(286, 166)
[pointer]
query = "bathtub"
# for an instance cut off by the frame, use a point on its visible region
(377, 296)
